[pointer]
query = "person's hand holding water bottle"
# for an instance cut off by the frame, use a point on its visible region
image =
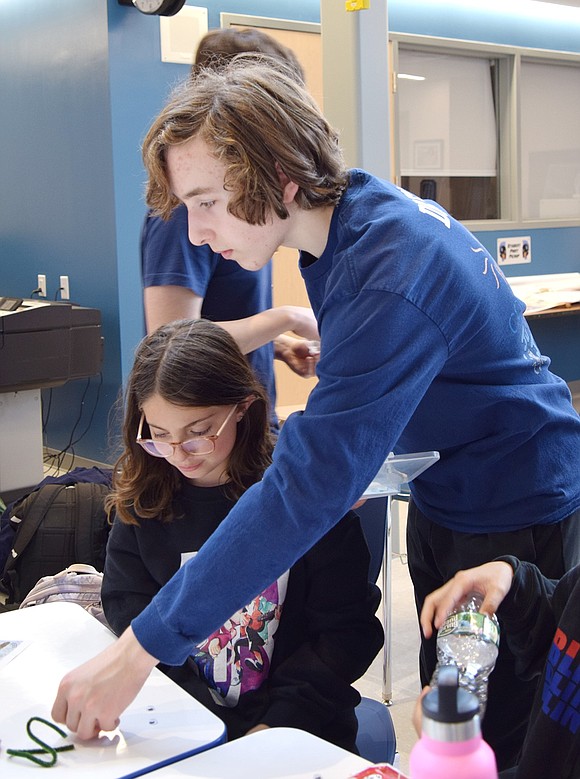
(300, 354)
(493, 580)
(468, 632)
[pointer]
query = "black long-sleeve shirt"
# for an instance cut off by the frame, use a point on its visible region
(327, 635)
(541, 619)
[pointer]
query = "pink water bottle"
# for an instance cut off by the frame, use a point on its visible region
(451, 746)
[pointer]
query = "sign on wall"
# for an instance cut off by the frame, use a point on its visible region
(514, 250)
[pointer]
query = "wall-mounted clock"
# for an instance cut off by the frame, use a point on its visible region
(155, 7)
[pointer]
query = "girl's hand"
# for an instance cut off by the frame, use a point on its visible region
(417, 716)
(257, 728)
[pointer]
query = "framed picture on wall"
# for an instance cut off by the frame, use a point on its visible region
(428, 155)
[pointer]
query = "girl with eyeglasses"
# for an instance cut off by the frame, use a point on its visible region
(196, 436)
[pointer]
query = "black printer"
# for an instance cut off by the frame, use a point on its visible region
(47, 343)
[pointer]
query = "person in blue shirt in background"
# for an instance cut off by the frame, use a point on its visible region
(183, 281)
(423, 347)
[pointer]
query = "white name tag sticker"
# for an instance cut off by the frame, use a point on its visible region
(185, 556)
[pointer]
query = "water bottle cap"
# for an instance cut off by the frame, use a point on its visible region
(448, 702)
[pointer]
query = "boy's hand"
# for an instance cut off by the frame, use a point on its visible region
(299, 354)
(93, 696)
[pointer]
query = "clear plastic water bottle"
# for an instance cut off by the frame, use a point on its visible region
(469, 640)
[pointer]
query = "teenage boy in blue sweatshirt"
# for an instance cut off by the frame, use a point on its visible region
(424, 347)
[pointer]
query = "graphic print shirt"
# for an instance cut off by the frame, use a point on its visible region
(236, 658)
(295, 650)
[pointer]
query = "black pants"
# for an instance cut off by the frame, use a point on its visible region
(436, 554)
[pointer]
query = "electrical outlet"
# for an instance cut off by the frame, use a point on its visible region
(41, 285)
(64, 289)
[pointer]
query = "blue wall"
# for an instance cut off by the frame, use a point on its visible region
(517, 23)
(80, 82)
(56, 181)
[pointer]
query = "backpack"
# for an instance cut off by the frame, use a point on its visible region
(76, 584)
(55, 526)
(80, 474)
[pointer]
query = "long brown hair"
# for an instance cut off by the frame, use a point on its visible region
(258, 120)
(188, 363)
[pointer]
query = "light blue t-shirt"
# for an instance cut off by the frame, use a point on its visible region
(229, 291)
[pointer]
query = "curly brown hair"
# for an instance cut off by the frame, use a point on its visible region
(188, 363)
(258, 120)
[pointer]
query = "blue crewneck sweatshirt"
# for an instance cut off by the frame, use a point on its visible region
(424, 347)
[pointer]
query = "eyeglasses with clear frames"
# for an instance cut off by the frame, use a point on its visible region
(202, 445)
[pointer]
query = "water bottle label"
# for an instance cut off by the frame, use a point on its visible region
(472, 622)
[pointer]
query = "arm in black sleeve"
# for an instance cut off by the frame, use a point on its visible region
(336, 632)
(542, 625)
(529, 615)
(128, 586)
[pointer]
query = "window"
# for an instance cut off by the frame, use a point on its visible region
(491, 132)
(447, 131)
(550, 140)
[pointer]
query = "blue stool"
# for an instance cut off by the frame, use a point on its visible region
(376, 739)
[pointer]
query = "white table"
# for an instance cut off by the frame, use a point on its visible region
(278, 753)
(162, 724)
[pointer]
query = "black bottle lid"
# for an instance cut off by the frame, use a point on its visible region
(449, 703)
